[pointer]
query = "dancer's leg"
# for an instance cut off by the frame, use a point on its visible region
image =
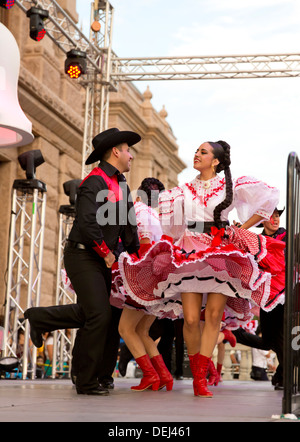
(143, 327)
(142, 330)
(130, 318)
(192, 304)
(127, 329)
(213, 315)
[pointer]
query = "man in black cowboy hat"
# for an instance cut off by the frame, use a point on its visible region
(272, 227)
(271, 322)
(102, 218)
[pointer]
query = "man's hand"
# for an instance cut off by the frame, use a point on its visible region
(109, 259)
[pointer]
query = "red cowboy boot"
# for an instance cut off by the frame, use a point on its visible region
(219, 370)
(166, 379)
(229, 336)
(150, 377)
(199, 366)
(213, 377)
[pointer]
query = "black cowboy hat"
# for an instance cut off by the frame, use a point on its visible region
(275, 210)
(108, 139)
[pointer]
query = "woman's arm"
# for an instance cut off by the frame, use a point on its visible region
(252, 221)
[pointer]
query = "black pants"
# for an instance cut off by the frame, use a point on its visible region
(91, 280)
(272, 332)
(96, 346)
(272, 336)
(112, 343)
(168, 331)
(259, 374)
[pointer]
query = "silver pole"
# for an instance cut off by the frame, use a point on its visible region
(58, 283)
(24, 271)
(30, 286)
(6, 337)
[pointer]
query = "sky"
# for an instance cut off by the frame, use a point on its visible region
(259, 118)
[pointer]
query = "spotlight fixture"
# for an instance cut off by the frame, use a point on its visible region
(7, 4)
(70, 189)
(29, 161)
(37, 17)
(75, 64)
(96, 26)
(8, 364)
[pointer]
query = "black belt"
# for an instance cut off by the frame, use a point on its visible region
(75, 245)
(205, 226)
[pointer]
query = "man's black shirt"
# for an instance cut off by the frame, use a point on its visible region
(105, 211)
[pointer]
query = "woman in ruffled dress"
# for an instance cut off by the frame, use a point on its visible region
(135, 321)
(205, 262)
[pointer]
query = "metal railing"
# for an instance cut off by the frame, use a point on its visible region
(291, 396)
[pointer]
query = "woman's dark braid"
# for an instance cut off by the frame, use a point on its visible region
(224, 165)
(149, 185)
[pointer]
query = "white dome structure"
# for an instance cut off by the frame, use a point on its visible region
(15, 128)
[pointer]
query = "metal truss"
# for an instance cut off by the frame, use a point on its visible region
(105, 71)
(63, 31)
(63, 340)
(205, 67)
(98, 87)
(24, 268)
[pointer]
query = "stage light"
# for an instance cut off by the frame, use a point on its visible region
(70, 189)
(8, 364)
(37, 18)
(7, 4)
(96, 26)
(75, 64)
(29, 161)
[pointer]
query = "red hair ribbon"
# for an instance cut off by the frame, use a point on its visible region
(217, 235)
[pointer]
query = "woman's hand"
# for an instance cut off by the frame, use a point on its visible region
(237, 224)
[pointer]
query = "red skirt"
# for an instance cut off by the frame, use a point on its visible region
(118, 296)
(248, 268)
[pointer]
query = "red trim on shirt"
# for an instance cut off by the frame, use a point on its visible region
(114, 190)
(102, 249)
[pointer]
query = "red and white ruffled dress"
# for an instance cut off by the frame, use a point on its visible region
(149, 227)
(246, 267)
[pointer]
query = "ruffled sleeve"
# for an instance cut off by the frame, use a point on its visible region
(147, 222)
(171, 212)
(252, 196)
